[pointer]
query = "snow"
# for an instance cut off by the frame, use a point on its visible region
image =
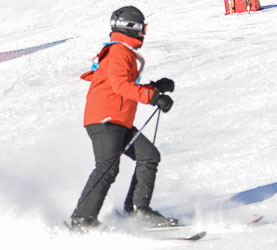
(218, 143)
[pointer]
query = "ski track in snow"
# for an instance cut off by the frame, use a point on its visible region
(218, 142)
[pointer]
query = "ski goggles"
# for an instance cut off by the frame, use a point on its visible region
(145, 26)
(130, 25)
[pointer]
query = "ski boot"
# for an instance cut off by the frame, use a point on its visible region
(150, 217)
(83, 225)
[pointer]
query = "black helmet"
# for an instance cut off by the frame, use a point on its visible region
(128, 20)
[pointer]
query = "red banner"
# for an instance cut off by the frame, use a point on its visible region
(240, 6)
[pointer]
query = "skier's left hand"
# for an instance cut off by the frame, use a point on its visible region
(164, 85)
(164, 102)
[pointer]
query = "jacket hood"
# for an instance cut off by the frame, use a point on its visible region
(119, 37)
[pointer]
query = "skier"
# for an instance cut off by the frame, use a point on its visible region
(109, 114)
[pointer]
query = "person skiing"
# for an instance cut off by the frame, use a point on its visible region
(109, 114)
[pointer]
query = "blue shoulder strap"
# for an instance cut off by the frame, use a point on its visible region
(96, 60)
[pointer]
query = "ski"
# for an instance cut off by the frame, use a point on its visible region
(248, 222)
(256, 220)
(171, 229)
(195, 237)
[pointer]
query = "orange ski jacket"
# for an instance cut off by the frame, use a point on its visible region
(113, 94)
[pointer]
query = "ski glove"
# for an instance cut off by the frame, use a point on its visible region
(164, 102)
(163, 85)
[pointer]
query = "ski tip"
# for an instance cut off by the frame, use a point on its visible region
(256, 220)
(66, 224)
(197, 236)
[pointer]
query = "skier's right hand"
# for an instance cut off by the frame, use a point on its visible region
(164, 85)
(164, 102)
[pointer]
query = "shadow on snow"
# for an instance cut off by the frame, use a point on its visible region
(240, 199)
(250, 196)
(269, 7)
(255, 195)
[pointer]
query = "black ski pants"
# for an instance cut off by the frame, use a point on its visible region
(108, 142)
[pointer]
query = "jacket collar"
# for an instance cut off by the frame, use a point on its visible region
(119, 37)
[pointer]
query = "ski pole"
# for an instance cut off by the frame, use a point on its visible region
(125, 149)
(157, 124)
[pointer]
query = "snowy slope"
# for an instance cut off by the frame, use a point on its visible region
(218, 142)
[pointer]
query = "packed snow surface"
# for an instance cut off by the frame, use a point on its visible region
(218, 142)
